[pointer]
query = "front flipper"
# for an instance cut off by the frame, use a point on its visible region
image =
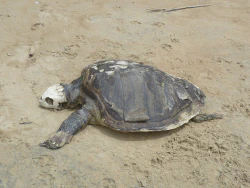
(68, 128)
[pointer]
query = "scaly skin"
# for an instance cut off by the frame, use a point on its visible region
(67, 129)
(73, 93)
(206, 117)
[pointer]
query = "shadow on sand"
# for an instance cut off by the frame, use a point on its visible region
(136, 136)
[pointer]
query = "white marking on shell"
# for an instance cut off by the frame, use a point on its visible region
(109, 61)
(110, 72)
(135, 63)
(182, 96)
(196, 86)
(119, 66)
(101, 70)
(122, 63)
(170, 103)
(95, 67)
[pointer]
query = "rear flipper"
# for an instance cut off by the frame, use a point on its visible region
(68, 128)
(206, 117)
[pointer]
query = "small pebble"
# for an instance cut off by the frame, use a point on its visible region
(31, 52)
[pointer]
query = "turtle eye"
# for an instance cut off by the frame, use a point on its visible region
(49, 100)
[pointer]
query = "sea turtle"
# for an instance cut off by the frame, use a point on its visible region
(125, 96)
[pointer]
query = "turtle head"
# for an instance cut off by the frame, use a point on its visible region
(54, 97)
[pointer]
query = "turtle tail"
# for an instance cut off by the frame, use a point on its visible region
(206, 117)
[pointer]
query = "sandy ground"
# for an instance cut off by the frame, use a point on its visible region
(48, 42)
